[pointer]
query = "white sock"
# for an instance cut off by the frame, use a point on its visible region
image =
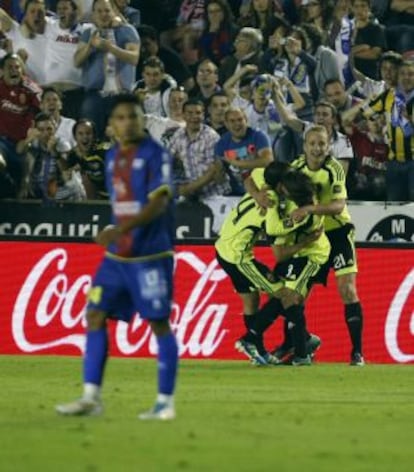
(165, 399)
(91, 391)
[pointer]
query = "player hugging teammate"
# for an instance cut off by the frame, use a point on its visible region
(291, 205)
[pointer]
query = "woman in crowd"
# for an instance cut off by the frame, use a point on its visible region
(216, 41)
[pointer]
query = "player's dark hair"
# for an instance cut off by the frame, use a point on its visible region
(275, 171)
(300, 187)
(84, 121)
(47, 90)
(193, 102)
(125, 99)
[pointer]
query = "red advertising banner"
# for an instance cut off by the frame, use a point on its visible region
(42, 301)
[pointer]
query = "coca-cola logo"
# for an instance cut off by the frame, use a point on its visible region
(398, 319)
(50, 303)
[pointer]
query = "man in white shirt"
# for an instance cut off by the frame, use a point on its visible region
(51, 104)
(62, 38)
(28, 38)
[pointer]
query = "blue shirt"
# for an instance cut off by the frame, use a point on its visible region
(93, 69)
(245, 149)
(133, 177)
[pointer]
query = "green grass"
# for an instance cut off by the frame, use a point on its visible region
(231, 417)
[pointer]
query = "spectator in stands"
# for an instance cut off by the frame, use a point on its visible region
(371, 151)
(154, 88)
(260, 110)
(108, 54)
(193, 148)
(28, 38)
(274, 54)
(242, 149)
(247, 50)
(320, 60)
(162, 128)
(335, 93)
(406, 82)
(260, 14)
(88, 159)
(389, 64)
(292, 66)
(45, 176)
(319, 13)
(51, 104)
(326, 116)
(63, 35)
(216, 40)
(399, 21)
(19, 103)
(173, 64)
(129, 14)
(400, 135)
(340, 39)
(190, 24)
(207, 81)
(368, 39)
(217, 106)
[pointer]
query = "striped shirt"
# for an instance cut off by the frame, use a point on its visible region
(400, 132)
(197, 155)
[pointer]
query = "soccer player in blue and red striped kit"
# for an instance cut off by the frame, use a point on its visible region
(136, 274)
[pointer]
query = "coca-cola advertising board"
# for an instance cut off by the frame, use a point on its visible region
(43, 288)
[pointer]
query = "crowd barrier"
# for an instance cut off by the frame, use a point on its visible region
(378, 222)
(42, 302)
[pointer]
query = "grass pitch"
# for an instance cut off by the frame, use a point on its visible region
(231, 417)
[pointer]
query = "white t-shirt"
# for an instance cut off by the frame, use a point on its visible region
(35, 48)
(64, 131)
(341, 147)
(157, 126)
(61, 46)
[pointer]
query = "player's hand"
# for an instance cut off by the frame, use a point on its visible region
(299, 214)
(110, 234)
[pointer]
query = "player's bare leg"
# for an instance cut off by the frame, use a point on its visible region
(346, 284)
(167, 372)
(94, 361)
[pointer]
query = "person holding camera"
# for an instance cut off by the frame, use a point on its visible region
(45, 175)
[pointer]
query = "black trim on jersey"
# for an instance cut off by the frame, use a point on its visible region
(246, 209)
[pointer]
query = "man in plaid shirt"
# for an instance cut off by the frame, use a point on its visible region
(193, 148)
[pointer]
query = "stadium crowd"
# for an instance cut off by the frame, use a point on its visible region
(227, 86)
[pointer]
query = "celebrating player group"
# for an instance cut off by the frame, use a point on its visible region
(300, 208)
